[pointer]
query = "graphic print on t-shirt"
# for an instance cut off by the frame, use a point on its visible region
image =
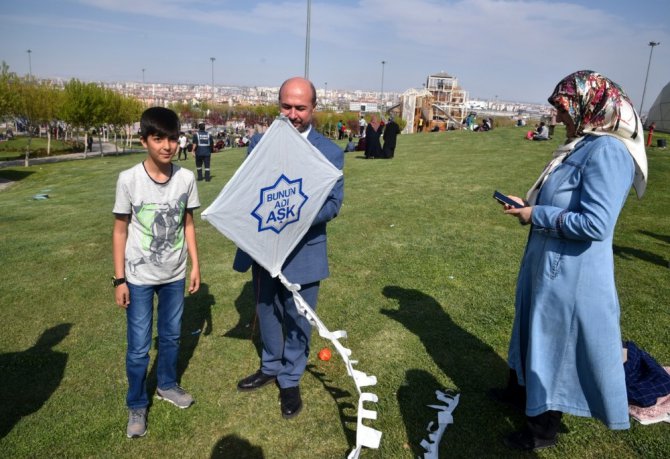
(162, 230)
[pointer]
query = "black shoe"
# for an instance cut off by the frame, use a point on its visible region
(525, 441)
(255, 381)
(291, 403)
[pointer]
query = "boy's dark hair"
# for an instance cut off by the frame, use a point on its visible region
(159, 121)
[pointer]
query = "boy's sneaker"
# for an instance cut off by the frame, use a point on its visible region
(137, 423)
(175, 395)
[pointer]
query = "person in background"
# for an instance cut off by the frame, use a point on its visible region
(361, 126)
(373, 147)
(542, 132)
(565, 353)
(203, 143)
(390, 135)
(183, 140)
(652, 126)
(351, 146)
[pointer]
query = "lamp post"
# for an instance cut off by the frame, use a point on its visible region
(212, 59)
(382, 91)
(309, 16)
(143, 75)
(30, 64)
(651, 44)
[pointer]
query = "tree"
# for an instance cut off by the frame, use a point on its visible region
(38, 104)
(8, 94)
(83, 106)
(126, 111)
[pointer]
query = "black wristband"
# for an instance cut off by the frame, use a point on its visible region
(120, 281)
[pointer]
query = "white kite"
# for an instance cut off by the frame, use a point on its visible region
(266, 208)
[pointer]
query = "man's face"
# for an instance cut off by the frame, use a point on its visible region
(295, 102)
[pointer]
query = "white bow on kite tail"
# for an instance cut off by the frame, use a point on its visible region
(365, 436)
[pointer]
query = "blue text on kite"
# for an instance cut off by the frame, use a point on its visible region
(279, 204)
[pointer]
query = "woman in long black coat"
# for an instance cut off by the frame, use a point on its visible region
(391, 131)
(373, 147)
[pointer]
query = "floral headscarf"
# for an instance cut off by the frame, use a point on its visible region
(597, 106)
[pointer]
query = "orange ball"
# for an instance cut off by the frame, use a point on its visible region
(325, 354)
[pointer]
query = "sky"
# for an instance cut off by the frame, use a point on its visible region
(514, 50)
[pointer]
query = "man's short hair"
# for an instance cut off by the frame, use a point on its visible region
(311, 85)
(159, 121)
(201, 126)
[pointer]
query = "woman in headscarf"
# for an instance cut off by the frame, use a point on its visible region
(373, 132)
(565, 352)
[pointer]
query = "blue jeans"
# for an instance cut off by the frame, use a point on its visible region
(140, 321)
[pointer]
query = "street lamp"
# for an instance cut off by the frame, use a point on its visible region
(309, 15)
(212, 59)
(30, 64)
(651, 44)
(382, 92)
(143, 75)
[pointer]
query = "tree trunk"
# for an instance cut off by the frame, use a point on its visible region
(26, 161)
(48, 142)
(85, 144)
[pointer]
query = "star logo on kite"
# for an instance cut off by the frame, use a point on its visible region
(279, 204)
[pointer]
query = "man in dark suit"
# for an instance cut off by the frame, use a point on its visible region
(284, 332)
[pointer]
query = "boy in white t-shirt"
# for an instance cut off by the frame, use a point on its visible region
(183, 140)
(153, 234)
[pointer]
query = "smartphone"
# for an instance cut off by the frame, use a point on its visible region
(501, 198)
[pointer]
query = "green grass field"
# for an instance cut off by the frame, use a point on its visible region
(16, 148)
(423, 269)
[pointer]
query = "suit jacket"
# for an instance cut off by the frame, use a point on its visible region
(308, 262)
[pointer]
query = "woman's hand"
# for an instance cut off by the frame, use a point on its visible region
(523, 214)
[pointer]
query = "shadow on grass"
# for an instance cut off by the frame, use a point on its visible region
(345, 402)
(472, 365)
(628, 253)
(30, 377)
(417, 391)
(232, 446)
(14, 175)
(246, 325)
(196, 322)
(660, 237)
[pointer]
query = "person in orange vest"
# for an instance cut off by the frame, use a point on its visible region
(652, 126)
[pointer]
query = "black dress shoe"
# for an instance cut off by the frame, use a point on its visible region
(255, 381)
(291, 403)
(524, 440)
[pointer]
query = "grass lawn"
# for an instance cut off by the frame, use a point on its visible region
(423, 270)
(16, 148)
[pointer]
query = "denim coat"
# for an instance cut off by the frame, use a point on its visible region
(566, 342)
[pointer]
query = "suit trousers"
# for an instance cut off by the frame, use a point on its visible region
(284, 332)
